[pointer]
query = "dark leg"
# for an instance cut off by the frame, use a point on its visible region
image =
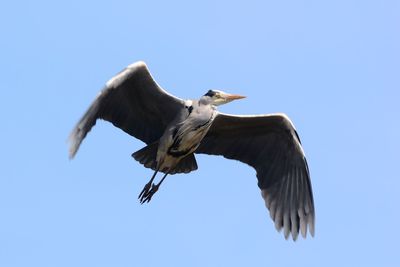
(146, 188)
(154, 188)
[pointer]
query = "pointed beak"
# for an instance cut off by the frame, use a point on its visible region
(233, 97)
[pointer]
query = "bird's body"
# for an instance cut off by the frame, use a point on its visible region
(175, 130)
(184, 134)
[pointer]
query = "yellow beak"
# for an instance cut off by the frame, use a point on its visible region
(233, 97)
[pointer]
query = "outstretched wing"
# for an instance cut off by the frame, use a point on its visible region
(270, 144)
(133, 102)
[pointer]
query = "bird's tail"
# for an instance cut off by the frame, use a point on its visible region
(186, 165)
(148, 155)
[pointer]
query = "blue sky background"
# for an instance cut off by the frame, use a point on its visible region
(332, 66)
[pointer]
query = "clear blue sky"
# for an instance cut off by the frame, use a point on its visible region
(332, 66)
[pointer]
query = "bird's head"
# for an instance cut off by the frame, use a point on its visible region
(216, 97)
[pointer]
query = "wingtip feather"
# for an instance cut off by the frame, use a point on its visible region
(74, 143)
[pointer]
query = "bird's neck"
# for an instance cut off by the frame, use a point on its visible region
(205, 100)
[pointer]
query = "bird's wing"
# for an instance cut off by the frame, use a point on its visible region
(270, 144)
(133, 102)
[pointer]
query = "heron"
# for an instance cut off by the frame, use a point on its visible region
(174, 130)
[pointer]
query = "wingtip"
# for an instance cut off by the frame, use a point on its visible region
(304, 225)
(72, 151)
(74, 143)
(311, 228)
(294, 236)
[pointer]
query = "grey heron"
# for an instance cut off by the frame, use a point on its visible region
(175, 129)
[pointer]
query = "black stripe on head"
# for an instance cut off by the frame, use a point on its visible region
(210, 93)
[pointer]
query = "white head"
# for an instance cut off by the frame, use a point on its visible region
(216, 97)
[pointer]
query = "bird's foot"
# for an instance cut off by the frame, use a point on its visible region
(145, 191)
(146, 197)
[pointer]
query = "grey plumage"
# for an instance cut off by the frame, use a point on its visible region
(270, 144)
(174, 130)
(128, 100)
(147, 157)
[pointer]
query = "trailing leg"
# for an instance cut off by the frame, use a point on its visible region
(147, 187)
(154, 188)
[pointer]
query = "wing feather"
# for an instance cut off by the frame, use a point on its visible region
(271, 145)
(133, 102)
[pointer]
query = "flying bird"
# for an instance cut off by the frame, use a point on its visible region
(175, 130)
